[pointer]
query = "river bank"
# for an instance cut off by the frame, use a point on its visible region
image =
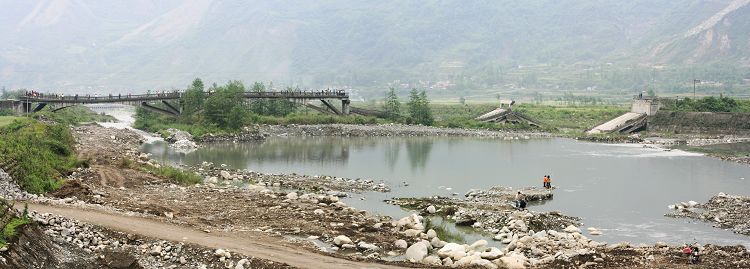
(724, 211)
(307, 210)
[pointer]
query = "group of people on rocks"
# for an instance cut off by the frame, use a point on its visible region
(520, 199)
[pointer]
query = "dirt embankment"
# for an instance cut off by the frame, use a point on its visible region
(671, 122)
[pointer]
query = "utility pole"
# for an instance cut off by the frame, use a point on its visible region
(694, 82)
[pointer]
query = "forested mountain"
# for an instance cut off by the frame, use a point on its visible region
(146, 44)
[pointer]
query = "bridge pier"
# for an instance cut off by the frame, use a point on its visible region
(345, 106)
(23, 107)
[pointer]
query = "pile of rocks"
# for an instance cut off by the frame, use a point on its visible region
(247, 135)
(725, 211)
(215, 174)
(181, 140)
(499, 194)
(9, 190)
(524, 246)
(106, 144)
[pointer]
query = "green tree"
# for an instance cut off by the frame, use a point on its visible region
(237, 117)
(419, 107)
(462, 100)
(222, 101)
(194, 97)
(392, 106)
(424, 103)
(259, 106)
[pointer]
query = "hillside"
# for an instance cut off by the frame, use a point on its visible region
(138, 45)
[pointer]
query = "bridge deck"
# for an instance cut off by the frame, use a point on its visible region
(617, 123)
(87, 99)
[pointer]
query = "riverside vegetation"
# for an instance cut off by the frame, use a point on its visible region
(39, 152)
(224, 112)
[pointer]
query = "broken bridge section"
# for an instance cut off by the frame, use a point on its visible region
(505, 114)
(634, 121)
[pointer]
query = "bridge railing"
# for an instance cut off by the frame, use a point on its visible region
(48, 98)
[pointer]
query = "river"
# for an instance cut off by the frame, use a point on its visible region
(624, 190)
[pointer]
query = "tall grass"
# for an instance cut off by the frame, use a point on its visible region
(37, 155)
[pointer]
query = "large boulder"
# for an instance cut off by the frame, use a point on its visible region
(177, 135)
(412, 221)
(572, 229)
(466, 260)
(412, 232)
(483, 263)
(431, 234)
(437, 243)
(400, 244)
(341, 240)
(478, 246)
(494, 253)
(513, 261)
(432, 260)
(416, 252)
(452, 250)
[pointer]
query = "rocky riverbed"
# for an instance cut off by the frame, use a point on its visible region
(338, 186)
(307, 211)
(724, 211)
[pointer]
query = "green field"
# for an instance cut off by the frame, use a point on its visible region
(5, 120)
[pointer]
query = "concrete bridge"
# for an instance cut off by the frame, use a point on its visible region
(31, 104)
(634, 121)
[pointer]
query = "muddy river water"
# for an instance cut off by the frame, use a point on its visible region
(624, 190)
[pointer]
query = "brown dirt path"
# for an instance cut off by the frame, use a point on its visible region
(257, 246)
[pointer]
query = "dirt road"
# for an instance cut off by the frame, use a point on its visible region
(258, 246)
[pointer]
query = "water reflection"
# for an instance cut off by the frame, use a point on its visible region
(418, 152)
(325, 151)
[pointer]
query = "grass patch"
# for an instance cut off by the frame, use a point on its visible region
(5, 120)
(37, 155)
(11, 229)
(176, 175)
(567, 119)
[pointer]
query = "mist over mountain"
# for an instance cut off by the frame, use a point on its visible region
(137, 45)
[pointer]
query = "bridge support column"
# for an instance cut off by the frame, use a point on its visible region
(25, 107)
(345, 106)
